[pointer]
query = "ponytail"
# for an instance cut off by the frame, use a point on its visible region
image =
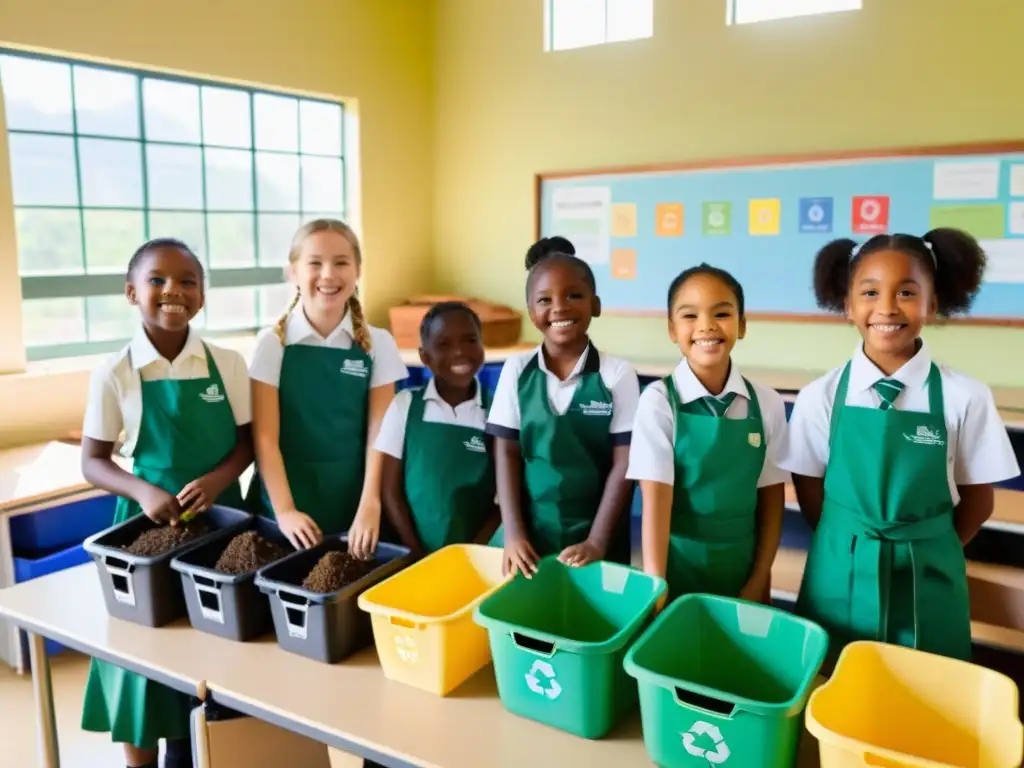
(282, 321)
(959, 263)
(360, 329)
(832, 268)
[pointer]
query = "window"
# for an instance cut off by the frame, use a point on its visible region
(104, 158)
(751, 11)
(579, 23)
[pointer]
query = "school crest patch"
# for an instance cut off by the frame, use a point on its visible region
(754, 438)
(212, 394)
(355, 368)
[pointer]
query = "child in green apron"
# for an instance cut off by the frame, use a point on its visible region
(322, 380)
(562, 417)
(892, 455)
(183, 406)
(706, 443)
(438, 474)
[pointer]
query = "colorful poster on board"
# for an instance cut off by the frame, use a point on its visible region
(982, 221)
(765, 216)
(816, 214)
(716, 219)
(624, 220)
(582, 214)
(624, 264)
(668, 220)
(870, 214)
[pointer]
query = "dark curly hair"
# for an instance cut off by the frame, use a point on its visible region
(441, 309)
(161, 242)
(706, 269)
(556, 250)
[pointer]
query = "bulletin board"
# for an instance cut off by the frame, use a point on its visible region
(764, 219)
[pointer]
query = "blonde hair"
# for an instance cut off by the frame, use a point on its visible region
(360, 329)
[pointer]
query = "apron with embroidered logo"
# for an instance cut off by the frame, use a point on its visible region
(187, 429)
(886, 562)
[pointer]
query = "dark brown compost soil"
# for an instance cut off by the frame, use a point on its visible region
(248, 552)
(164, 538)
(334, 570)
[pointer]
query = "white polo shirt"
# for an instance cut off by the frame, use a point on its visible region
(978, 449)
(266, 359)
(115, 391)
(391, 438)
(618, 376)
(652, 451)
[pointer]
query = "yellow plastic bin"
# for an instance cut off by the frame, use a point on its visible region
(893, 707)
(422, 617)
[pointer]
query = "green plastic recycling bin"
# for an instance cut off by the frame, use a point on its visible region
(725, 682)
(558, 641)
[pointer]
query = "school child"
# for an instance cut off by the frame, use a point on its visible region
(561, 418)
(893, 455)
(322, 380)
(438, 474)
(183, 405)
(706, 445)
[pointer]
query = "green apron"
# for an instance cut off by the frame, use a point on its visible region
(566, 462)
(718, 461)
(449, 478)
(324, 399)
(885, 562)
(187, 428)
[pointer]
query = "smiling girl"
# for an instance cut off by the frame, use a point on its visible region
(561, 418)
(898, 477)
(705, 449)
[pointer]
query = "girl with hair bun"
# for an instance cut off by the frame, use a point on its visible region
(893, 455)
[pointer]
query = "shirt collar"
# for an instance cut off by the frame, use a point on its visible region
(142, 351)
(577, 369)
(689, 387)
(299, 329)
(864, 373)
(430, 393)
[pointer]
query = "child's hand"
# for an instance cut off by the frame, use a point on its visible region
(581, 554)
(365, 532)
(160, 506)
(520, 557)
(199, 495)
(757, 590)
(300, 529)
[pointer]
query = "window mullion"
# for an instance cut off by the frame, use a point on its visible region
(81, 197)
(146, 227)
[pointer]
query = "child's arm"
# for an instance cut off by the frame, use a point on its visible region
(975, 508)
(771, 503)
(520, 556)
(202, 493)
(609, 512)
(656, 525)
(99, 468)
(365, 530)
(490, 525)
(810, 495)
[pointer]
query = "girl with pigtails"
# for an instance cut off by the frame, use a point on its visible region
(894, 455)
(322, 380)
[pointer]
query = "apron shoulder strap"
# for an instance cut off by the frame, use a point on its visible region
(211, 365)
(672, 394)
(754, 407)
(417, 404)
(593, 361)
(839, 401)
(486, 398)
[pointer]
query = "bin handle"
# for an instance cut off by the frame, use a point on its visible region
(122, 582)
(706, 704)
(877, 761)
(545, 648)
(212, 608)
(398, 621)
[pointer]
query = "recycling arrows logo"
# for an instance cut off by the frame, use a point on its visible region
(700, 728)
(405, 646)
(541, 680)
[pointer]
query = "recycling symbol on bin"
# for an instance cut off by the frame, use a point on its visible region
(717, 756)
(541, 680)
(406, 648)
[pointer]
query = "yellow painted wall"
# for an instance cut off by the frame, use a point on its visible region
(379, 52)
(899, 72)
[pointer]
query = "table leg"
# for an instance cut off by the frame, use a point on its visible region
(46, 722)
(202, 738)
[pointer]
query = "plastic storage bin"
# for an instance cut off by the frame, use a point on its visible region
(145, 590)
(224, 604)
(725, 680)
(423, 617)
(891, 706)
(325, 627)
(559, 639)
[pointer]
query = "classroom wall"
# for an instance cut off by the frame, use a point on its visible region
(377, 52)
(897, 73)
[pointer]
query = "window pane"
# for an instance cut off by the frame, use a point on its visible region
(52, 321)
(111, 172)
(231, 240)
(274, 300)
(43, 170)
(111, 238)
(751, 11)
(175, 177)
(111, 318)
(276, 232)
(630, 19)
(229, 180)
(37, 94)
(322, 183)
(171, 110)
(226, 119)
(321, 127)
(277, 182)
(49, 241)
(190, 228)
(277, 122)
(231, 309)
(577, 23)
(106, 103)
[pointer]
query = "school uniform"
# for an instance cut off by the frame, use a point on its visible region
(179, 420)
(886, 562)
(716, 452)
(324, 388)
(567, 432)
(447, 468)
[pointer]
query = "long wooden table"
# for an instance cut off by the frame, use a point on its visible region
(348, 706)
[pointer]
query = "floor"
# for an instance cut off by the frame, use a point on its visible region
(78, 749)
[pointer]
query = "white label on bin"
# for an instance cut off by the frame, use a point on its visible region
(406, 648)
(541, 680)
(716, 756)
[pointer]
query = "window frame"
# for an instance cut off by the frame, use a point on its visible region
(732, 13)
(84, 285)
(549, 29)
